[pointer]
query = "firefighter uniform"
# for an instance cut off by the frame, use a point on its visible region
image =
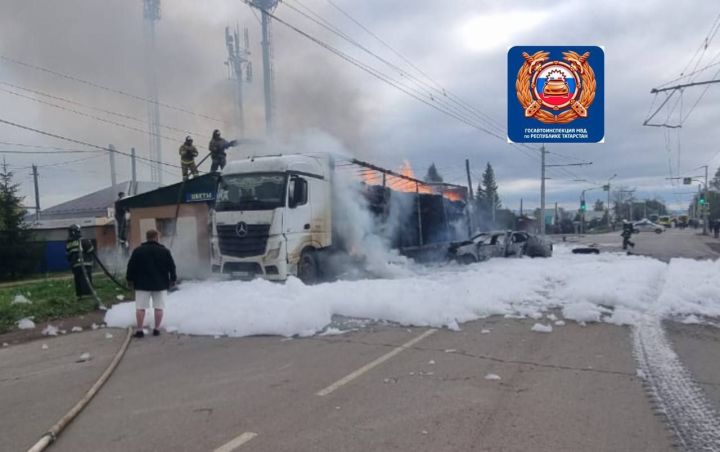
(188, 152)
(79, 253)
(217, 147)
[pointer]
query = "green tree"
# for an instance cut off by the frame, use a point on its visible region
(491, 189)
(433, 175)
(18, 255)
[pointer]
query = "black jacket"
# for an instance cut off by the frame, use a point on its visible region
(151, 267)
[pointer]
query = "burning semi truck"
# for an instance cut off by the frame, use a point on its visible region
(282, 215)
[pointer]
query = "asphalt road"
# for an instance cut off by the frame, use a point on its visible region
(380, 388)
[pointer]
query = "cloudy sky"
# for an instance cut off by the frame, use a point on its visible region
(460, 45)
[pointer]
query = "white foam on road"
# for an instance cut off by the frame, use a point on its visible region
(613, 288)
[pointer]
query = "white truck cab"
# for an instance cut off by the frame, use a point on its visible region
(272, 216)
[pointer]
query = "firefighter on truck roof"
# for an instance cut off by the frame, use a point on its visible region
(188, 152)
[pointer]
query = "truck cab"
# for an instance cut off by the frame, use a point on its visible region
(272, 217)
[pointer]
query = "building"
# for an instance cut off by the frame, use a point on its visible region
(181, 213)
(94, 212)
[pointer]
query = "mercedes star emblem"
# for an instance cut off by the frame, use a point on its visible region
(241, 229)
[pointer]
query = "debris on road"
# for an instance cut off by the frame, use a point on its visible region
(84, 357)
(492, 377)
(108, 336)
(44, 346)
(76, 329)
(50, 330)
(540, 328)
(26, 324)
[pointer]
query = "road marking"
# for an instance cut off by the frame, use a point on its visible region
(351, 376)
(236, 442)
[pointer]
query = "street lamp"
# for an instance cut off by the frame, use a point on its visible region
(607, 187)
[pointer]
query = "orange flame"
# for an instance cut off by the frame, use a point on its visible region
(371, 177)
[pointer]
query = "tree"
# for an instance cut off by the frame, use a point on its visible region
(490, 187)
(486, 193)
(599, 206)
(433, 175)
(17, 252)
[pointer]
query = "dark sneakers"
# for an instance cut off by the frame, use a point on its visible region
(156, 332)
(139, 334)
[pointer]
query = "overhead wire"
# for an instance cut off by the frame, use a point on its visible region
(101, 110)
(83, 143)
(108, 89)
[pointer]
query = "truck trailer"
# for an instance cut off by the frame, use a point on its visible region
(283, 215)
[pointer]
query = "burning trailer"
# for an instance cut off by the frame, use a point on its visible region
(288, 215)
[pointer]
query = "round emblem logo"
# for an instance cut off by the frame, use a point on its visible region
(241, 229)
(555, 92)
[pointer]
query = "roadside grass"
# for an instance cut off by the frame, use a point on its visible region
(52, 299)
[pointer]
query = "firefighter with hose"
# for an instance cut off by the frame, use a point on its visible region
(79, 253)
(188, 152)
(218, 145)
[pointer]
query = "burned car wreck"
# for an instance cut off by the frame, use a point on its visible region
(486, 245)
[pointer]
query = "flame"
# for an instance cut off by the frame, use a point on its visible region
(372, 177)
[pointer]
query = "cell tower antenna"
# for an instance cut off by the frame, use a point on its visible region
(265, 7)
(151, 14)
(238, 64)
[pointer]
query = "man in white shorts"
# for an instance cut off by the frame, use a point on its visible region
(151, 272)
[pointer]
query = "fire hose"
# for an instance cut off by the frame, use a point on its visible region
(52, 434)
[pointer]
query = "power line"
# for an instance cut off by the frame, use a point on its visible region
(101, 110)
(437, 86)
(112, 90)
(83, 143)
(96, 118)
(440, 93)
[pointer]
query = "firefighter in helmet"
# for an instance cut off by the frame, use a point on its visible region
(188, 152)
(218, 145)
(626, 233)
(79, 253)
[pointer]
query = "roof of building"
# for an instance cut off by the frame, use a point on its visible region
(94, 204)
(198, 189)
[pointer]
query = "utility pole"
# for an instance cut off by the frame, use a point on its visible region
(133, 172)
(467, 170)
(542, 190)
(238, 64)
(608, 199)
(521, 207)
(471, 204)
(494, 197)
(705, 206)
(265, 7)
(113, 176)
(543, 152)
(151, 13)
(37, 193)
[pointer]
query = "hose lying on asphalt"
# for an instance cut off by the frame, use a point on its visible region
(51, 435)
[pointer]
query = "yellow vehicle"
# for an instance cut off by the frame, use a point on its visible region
(682, 221)
(665, 221)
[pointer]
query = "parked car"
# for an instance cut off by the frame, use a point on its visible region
(646, 225)
(486, 245)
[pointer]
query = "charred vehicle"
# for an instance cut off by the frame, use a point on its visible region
(486, 245)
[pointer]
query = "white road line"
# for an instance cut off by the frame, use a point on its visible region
(236, 442)
(350, 377)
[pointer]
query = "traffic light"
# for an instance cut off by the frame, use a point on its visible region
(583, 206)
(701, 200)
